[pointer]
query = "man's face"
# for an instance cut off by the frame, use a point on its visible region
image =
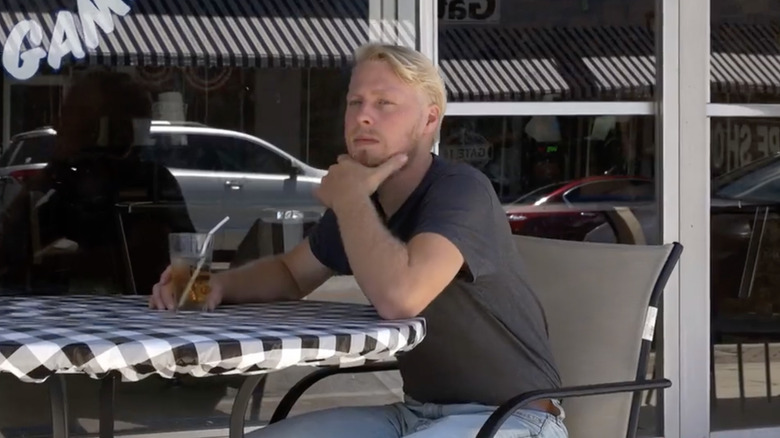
(385, 116)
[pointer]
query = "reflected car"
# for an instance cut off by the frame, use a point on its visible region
(569, 210)
(744, 232)
(745, 239)
(220, 172)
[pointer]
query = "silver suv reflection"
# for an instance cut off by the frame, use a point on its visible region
(220, 172)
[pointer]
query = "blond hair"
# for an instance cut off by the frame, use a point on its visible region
(410, 66)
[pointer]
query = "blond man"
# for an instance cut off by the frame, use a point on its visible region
(422, 236)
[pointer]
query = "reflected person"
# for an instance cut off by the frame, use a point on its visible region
(60, 233)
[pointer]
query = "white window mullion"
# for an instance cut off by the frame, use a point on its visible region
(551, 108)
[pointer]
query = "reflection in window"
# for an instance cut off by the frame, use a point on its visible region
(557, 176)
(522, 154)
(758, 181)
(548, 50)
(537, 196)
(744, 249)
(621, 190)
(744, 48)
(272, 73)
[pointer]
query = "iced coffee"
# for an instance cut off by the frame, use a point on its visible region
(190, 269)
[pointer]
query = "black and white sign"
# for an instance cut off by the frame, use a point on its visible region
(469, 11)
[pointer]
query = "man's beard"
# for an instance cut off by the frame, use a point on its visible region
(365, 158)
(411, 150)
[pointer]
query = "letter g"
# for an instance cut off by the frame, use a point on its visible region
(23, 65)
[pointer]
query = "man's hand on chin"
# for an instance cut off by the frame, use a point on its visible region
(350, 180)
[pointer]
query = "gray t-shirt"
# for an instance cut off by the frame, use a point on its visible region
(487, 335)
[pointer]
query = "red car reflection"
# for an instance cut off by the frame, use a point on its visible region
(570, 209)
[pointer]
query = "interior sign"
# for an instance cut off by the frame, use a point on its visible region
(467, 146)
(737, 143)
(65, 38)
(473, 153)
(469, 11)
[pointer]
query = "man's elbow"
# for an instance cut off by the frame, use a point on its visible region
(397, 311)
(401, 305)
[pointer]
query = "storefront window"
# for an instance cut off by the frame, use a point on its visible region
(573, 177)
(558, 176)
(566, 177)
(163, 116)
(745, 217)
(744, 65)
(537, 50)
(745, 239)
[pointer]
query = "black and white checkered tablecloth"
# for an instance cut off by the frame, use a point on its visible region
(92, 335)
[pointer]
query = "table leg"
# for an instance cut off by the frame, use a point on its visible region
(59, 406)
(107, 391)
(241, 402)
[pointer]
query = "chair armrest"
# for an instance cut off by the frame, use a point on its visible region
(497, 418)
(292, 396)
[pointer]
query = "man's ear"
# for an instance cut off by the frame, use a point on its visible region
(432, 121)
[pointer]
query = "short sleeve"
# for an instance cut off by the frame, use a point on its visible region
(462, 208)
(326, 245)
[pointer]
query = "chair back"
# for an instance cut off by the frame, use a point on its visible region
(600, 302)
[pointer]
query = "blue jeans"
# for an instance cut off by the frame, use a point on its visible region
(413, 419)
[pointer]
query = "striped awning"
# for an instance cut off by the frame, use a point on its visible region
(269, 33)
(478, 63)
(746, 59)
(597, 63)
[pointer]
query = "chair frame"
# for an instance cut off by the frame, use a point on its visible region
(503, 412)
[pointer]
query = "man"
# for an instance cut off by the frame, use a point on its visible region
(422, 237)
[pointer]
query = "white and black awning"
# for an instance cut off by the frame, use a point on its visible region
(242, 33)
(478, 63)
(483, 63)
(746, 59)
(595, 63)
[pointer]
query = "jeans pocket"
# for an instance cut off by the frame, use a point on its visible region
(533, 420)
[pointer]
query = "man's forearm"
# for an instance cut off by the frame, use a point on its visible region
(378, 260)
(263, 280)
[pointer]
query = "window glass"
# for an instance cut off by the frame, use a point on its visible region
(242, 156)
(744, 48)
(184, 151)
(36, 149)
(179, 114)
(547, 50)
(744, 248)
(563, 177)
(538, 195)
(623, 190)
(757, 181)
